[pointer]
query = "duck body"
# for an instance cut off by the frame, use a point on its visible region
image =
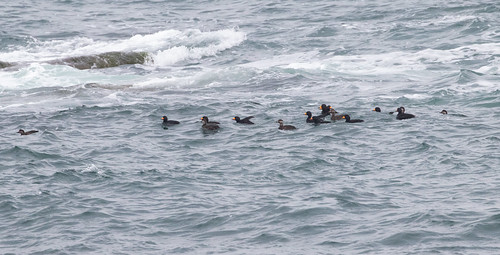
(314, 119)
(21, 131)
(244, 120)
(167, 123)
(285, 127)
(325, 110)
(209, 125)
(335, 117)
(349, 120)
(402, 115)
(444, 112)
(209, 122)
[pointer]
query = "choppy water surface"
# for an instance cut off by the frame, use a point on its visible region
(102, 176)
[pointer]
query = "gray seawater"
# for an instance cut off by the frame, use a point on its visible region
(103, 177)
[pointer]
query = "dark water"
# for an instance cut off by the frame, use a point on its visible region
(103, 177)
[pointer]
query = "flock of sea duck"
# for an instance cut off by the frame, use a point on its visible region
(326, 110)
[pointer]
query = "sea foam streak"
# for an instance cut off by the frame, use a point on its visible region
(396, 62)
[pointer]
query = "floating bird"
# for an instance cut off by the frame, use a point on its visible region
(325, 110)
(285, 127)
(167, 123)
(314, 119)
(444, 112)
(244, 120)
(209, 125)
(335, 117)
(26, 133)
(209, 122)
(377, 109)
(348, 119)
(402, 115)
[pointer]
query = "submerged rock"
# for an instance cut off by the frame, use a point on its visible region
(104, 60)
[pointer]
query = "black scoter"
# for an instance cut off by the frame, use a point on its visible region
(26, 133)
(244, 120)
(209, 125)
(349, 120)
(335, 117)
(325, 110)
(444, 112)
(285, 127)
(209, 122)
(314, 119)
(402, 115)
(167, 123)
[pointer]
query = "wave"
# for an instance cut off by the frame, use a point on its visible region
(172, 48)
(206, 44)
(164, 47)
(417, 64)
(58, 62)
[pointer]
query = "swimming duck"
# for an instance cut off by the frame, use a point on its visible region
(26, 133)
(325, 110)
(244, 120)
(209, 122)
(335, 117)
(166, 123)
(348, 119)
(285, 127)
(377, 109)
(314, 119)
(444, 112)
(209, 125)
(402, 115)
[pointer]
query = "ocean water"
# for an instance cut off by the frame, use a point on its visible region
(103, 177)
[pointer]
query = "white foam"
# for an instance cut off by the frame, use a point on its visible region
(295, 61)
(167, 47)
(443, 20)
(179, 80)
(192, 43)
(44, 75)
(165, 82)
(417, 96)
(205, 44)
(307, 66)
(417, 64)
(440, 21)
